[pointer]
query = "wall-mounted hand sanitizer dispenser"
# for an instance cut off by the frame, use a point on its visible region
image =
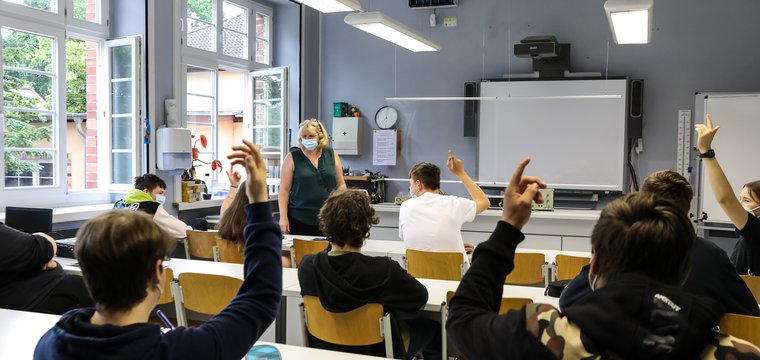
(174, 148)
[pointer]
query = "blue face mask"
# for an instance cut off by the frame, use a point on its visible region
(160, 199)
(411, 193)
(309, 144)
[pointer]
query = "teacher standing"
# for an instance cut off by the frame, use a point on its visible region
(309, 174)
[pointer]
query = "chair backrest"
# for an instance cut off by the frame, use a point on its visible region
(166, 295)
(568, 267)
(302, 248)
(742, 326)
(201, 243)
(434, 265)
(229, 251)
(753, 283)
(358, 327)
(207, 294)
(30, 220)
(528, 269)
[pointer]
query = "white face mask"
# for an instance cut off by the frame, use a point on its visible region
(160, 199)
(752, 210)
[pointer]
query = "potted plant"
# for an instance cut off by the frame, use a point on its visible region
(190, 174)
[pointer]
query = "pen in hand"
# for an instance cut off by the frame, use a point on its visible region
(164, 319)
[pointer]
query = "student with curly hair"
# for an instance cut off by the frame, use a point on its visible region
(345, 279)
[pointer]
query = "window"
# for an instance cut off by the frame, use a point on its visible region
(216, 80)
(269, 120)
(50, 59)
(202, 30)
(201, 27)
(29, 95)
(262, 39)
(124, 111)
(46, 5)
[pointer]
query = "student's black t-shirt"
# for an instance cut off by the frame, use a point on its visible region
(746, 255)
(23, 283)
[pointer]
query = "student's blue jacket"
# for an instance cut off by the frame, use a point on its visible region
(228, 335)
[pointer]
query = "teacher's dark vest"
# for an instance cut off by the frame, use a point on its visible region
(311, 185)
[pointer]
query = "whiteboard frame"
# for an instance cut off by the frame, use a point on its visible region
(714, 216)
(622, 171)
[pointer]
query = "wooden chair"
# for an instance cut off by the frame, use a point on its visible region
(568, 267)
(167, 296)
(200, 244)
(434, 264)
(228, 251)
(507, 303)
(753, 283)
(367, 325)
(302, 248)
(742, 326)
(530, 268)
(205, 294)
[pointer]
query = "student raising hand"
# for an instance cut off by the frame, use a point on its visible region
(249, 156)
(519, 196)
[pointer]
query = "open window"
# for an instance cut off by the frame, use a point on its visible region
(270, 119)
(123, 129)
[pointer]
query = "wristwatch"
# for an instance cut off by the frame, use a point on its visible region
(707, 155)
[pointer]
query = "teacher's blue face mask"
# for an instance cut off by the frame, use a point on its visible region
(309, 144)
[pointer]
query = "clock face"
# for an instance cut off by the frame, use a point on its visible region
(386, 117)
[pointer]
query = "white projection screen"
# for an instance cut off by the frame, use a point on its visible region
(573, 130)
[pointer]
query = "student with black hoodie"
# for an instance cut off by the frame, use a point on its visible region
(125, 279)
(637, 309)
(712, 273)
(345, 279)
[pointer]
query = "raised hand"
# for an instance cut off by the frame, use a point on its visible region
(249, 156)
(519, 196)
(454, 164)
(705, 134)
(234, 177)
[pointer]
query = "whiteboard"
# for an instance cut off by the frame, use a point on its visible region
(735, 144)
(573, 130)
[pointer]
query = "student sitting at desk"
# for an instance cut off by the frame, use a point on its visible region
(126, 278)
(31, 280)
(743, 212)
(148, 196)
(711, 275)
(430, 221)
(344, 279)
(233, 222)
(636, 310)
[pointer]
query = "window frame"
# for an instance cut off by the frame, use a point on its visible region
(60, 25)
(187, 55)
(217, 55)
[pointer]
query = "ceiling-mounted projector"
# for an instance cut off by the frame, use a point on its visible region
(538, 47)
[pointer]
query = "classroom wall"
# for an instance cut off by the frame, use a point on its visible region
(696, 46)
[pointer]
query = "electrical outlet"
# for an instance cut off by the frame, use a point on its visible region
(548, 205)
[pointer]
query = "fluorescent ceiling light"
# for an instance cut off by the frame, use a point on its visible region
(330, 6)
(630, 20)
(384, 27)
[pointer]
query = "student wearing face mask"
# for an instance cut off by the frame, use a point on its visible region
(148, 196)
(742, 212)
(309, 174)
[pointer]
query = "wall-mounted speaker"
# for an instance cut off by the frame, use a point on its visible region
(471, 109)
(635, 108)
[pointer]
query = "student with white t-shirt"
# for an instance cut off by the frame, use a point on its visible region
(430, 221)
